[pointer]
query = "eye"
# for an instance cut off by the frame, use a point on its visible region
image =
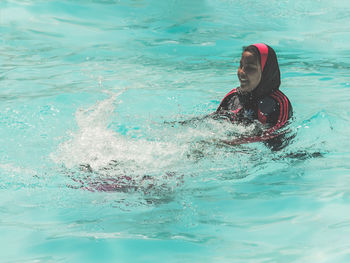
(249, 68)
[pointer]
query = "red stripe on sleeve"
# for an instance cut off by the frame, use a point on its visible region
(286, 106)
(280, 121)
(228, 94)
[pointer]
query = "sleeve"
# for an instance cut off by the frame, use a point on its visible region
(230, 107)
(280, 111)
(269, 111)
(223, 104)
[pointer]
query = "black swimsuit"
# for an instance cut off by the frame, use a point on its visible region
(273, 111)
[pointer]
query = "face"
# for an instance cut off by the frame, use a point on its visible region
(249, 72)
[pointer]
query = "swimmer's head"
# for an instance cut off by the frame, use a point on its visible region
(258, 72)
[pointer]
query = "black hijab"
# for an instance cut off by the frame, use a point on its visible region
(270, 76)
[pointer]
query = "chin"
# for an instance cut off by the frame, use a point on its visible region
(244, 88)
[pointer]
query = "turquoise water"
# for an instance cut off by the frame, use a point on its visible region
(88, 93)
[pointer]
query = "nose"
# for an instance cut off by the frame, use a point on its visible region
(240, 72)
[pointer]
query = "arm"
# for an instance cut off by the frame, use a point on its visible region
(243, 140)
(221, 112)
(191, 120)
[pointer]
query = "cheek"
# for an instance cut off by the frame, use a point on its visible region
(257, 77)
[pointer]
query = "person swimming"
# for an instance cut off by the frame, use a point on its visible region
(258, 97)
(257, 100)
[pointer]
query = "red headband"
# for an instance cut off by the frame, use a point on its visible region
(263, 49)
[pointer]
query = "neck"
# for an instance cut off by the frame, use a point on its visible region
(244, 93)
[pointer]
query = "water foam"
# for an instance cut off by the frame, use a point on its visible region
(96, 145)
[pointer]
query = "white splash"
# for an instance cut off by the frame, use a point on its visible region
(96, 145)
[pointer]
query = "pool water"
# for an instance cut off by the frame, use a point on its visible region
(95, 166)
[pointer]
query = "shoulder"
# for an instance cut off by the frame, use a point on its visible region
(274, 108)
(230, 94)
(227, 98)
(268, 105)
